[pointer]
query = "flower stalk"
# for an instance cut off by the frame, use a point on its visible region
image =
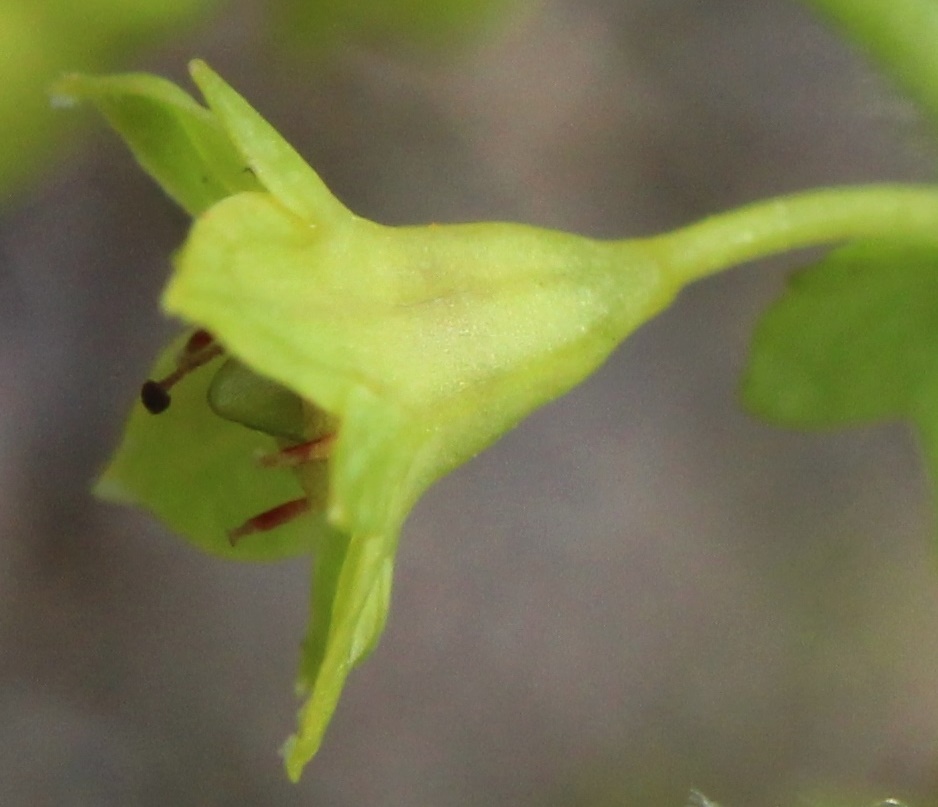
(797, 221)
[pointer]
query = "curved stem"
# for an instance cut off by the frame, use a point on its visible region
(900, 35)
(793, 222)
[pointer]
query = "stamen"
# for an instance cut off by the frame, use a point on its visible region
(292, 456)
(269, 519)
(200, 349)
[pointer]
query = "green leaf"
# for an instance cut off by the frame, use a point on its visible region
(41, 40)
(853, 340)
(899, 36)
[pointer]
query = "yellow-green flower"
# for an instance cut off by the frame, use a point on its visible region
(379, 357)
(421, 344)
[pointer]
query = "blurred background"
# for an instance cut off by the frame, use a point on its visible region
(639, 591)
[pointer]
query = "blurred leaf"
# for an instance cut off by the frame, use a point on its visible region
(41, 39)
(854, 339)
(432, 24)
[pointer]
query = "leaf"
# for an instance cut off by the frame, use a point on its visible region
(39, 41)
(853, 340)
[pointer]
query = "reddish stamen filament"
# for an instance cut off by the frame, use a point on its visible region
(292, 456)
(289, 457)
(269, 519)
(200, 349)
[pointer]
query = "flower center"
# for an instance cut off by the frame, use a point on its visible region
(241, 396)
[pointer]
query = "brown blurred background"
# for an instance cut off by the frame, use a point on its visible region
(640, 591)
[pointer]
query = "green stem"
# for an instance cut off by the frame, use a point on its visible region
(793, 222)
(901, 35)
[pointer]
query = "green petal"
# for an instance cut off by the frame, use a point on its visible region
(177, 141)
(351, 596)
(280, 169)
(199, 474)
(456, 331)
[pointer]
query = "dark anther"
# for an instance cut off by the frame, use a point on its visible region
(154, 397)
